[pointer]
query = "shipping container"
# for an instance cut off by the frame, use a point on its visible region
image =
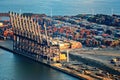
(75, 44)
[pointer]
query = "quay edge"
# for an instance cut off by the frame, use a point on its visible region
(54, 67)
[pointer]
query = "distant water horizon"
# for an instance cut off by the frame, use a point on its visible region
(61, 7)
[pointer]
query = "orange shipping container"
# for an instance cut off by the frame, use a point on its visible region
(5, 33)
(8, 32)
(75, 45)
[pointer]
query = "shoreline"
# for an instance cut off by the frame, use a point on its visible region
(51, 66)
(7, 45)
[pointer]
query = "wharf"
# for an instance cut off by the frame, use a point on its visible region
(7, 45)
(100, 59)
(102, 56)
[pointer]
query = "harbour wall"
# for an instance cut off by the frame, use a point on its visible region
(54, 67)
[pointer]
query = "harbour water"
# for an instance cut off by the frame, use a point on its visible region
(16, 67)
(61, 7)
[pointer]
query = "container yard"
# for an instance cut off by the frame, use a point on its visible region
(51, 40)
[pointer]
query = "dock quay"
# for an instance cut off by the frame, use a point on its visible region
(30, 40)
(4, 45)
(111, 69)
